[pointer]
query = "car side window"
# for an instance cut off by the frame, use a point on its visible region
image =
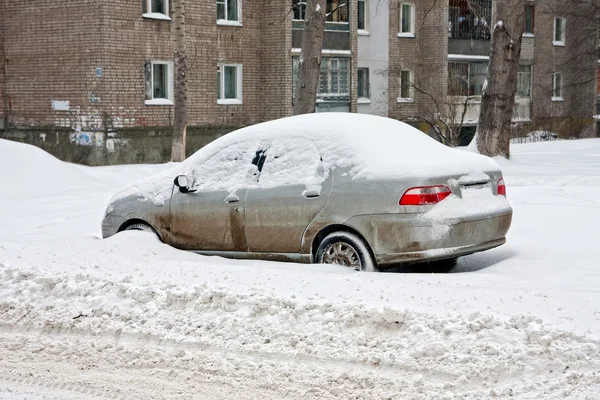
(228, 169)
(292, 161)
(259, 159)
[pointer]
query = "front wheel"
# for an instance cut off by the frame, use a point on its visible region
(345, 248)
(139, 226)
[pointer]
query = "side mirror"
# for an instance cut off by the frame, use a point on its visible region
(183, 183)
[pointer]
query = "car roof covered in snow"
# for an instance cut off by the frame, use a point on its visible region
(373, 147)
(366, 146)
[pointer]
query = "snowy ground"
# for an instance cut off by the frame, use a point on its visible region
(129, 317)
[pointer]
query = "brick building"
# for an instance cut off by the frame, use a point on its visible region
(436, 56)
(92, 81)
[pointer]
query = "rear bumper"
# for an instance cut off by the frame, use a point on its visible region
(408, 238)
(437, 254)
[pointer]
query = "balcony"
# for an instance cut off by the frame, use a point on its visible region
(469, 29)
(337, 27)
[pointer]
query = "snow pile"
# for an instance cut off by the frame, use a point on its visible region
(467, 355)
(129, 317)
(35, 170)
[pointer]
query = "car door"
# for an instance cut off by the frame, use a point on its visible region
(293, 187)
(211, 216)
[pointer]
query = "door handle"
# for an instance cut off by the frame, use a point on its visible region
(232, 198)
(311, 194)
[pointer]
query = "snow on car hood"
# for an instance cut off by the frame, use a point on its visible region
(371, 147)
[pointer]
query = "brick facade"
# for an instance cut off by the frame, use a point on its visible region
(3, 98)
(54, 48)
(575, 60)
(425, 56)
(428, 53)
(79, 66)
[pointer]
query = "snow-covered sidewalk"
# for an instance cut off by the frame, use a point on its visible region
(129, 317)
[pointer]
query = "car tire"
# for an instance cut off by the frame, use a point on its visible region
(345, 248)
(140, 227)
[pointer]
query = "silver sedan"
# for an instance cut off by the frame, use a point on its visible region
(355, 190)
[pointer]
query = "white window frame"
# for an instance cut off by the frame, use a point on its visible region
(150, 14)
(169, 100)
(366, 16)
(327, 72)
(411, 33)
(238, 90)
(411, 93)
(237, 22)
(559, 88)
(365, 100)
(519, 78)
(563, 39)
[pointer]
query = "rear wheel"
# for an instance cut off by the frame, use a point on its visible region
(344, 248)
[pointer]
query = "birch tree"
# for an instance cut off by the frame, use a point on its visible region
(180, 89)
(493, 130)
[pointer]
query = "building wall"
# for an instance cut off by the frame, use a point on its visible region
(276, 73)
(130, 40)
(3, 99)
(51, 51)
(373, 53)
(572, 115)
(425, 56)
(55, 46)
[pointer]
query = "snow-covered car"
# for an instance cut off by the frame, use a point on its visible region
(340, 188)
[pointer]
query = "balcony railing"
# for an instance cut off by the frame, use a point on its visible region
(470, 19)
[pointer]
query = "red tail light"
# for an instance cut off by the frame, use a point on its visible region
(501, 187)
(421, 196)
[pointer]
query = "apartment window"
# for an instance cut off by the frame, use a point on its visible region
(363, 15)
(229, 84)
(337, 11)
(299, 9)
(469, 19)
(335, 77)
(466, 78)
(364, 90)
(405, 86)
(159, 82)
(229, 12)
(559, 31)
(557, 87)
(407, 20)
(524, 81)
(155, 9)
(529, 19)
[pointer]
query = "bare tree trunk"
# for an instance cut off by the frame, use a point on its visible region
(309, 67)
(180, 89)
(493, 131)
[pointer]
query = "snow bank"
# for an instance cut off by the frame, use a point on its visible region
(27, 168)
(468, 355)
(130, 317)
